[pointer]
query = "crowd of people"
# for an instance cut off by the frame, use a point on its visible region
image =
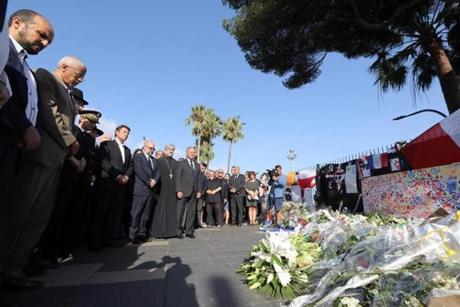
(61, 189)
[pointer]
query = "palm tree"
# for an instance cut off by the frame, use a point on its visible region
(206, 125)
(232, 133)
(207, 152)
(212, 127)
(196, 120)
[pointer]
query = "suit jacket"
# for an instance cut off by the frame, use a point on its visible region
(112, 165)
(186, 178)
(56, 114)
(237, 182)
(13, 120)
(144, 170)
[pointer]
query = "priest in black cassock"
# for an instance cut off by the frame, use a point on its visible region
(164, 223)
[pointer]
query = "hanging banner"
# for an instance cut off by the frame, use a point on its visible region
(414, 193)
(350, 179)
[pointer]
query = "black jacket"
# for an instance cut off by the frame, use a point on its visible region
(186, 178)
(237, 182)
(112, 165)
(13, 120)
(144, 171)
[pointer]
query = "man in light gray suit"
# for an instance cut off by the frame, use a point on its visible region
(187, 190)
(39, 170)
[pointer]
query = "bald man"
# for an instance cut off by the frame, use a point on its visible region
(145, 179)
(38, 172)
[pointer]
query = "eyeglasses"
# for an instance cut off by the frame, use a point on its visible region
(150, 147)
(78, 76)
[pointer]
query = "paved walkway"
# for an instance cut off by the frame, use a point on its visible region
(169, 273)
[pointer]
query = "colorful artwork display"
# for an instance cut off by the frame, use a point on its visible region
(414, 193)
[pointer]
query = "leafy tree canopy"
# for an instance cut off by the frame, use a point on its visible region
(413, 40)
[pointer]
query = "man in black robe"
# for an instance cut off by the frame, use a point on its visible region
(164, 223)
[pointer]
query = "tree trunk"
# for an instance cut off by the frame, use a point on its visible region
(198, 147)
(229, 157)
(450, 82)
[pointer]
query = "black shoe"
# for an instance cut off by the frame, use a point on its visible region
(34, 269)
(143, 238)
(136, 241)
(179, 236)
(94, 248)
(114, 243)
(49, 264)
(14, 284)
(239, 225)
(191, 236)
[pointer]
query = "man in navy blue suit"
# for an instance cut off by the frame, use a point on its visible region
(145, 179)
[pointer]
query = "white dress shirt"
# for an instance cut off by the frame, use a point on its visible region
(122, 149)
(32, 100)
(149, 159)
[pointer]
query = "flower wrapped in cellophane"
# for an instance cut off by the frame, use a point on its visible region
(278, 265)
(398, 267)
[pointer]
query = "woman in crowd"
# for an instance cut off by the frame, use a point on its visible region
(252, 196)
(227, 202)
(263, 197)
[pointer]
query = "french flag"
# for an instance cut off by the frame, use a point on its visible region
(438, 145)
(306, 178)
(377, 161)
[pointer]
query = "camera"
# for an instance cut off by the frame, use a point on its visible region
(270, 172)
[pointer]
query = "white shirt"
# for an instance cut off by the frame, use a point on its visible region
(149, 158)
(32, 100)
(122, 149)
(190, 162)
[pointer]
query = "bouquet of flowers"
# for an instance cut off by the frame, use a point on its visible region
(278, 265)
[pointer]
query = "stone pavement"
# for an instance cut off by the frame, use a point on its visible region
(169, 273)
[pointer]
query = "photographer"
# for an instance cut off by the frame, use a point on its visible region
(276, 195)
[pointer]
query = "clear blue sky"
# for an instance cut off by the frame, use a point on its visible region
(150, 61)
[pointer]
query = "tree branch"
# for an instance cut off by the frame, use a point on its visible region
(379, 26)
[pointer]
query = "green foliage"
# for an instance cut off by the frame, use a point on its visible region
(206, 125)
(292, 38)
(233, 130)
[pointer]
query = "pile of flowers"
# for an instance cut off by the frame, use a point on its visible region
(399, 267)
(293, 214)
(352, 260)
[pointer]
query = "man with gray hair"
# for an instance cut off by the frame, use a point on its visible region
(38, 172)
(188, 190)
(145, 179)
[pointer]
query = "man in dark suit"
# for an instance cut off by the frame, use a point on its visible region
(187, 191)
(112, 190)
(18, 118)
(145, 179)
(237, 193)
(39, 170)
(18, 115)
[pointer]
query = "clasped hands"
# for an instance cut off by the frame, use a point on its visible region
(122, 179)
(180, 195)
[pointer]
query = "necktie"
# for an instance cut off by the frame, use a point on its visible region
(192, 165)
